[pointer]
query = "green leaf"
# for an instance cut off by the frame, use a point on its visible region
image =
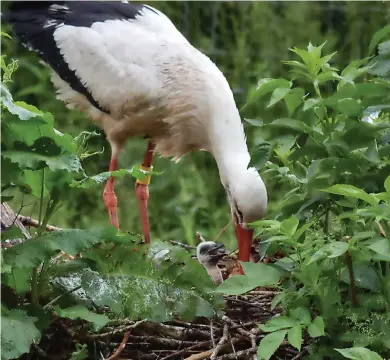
(6, 35)
(352, 191)
(289, 124)
(294, 337)
(256, 274)
(260, 154)
(80, 312)
(316, 328)
(29, 160)
(289, 226)
(280, 322)
(332, 250)
(269, 344)
(350, 107)
(302, 315)
(365, 277)
(81, 352)
(158, 282)
(359, 353)
(21, 109)
(378, 37)
(264, 87)
(387, 184)
(293, 99)
(18, 332)
(72, 241)
(277, 95)
(381, 247)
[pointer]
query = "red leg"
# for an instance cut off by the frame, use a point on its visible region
(109, 196)
(142, 191)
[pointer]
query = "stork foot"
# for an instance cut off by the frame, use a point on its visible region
(111, 203)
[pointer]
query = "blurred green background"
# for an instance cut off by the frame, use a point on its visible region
(248, 41)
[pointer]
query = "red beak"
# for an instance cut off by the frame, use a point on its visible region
(244, 239)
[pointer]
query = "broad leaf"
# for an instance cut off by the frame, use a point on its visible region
(80, 312)
(289, 226)
(359, 353)
(351, 191)
(378, 37)
(294, 337)
(18, 332)
(317, 327)
(332, 250)
(256, 274)
(269, 344)
(72, 241)
(278, 323)
(260, 154)
(302, 315)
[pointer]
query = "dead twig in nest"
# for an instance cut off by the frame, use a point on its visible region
(28, 221)
(239, 354)
(183, 351)
(221, 342)
(300, 355)
(120, 347)
(120, 329)
(185, 246)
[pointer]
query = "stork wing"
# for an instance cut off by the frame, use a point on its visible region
(105, 50)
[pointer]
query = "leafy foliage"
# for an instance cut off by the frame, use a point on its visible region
(330, 156)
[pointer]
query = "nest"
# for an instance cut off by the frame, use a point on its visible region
(235, 335)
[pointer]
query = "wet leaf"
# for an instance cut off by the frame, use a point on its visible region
(270, 343)
(18, 332)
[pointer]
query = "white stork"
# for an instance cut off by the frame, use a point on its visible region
(129, 68)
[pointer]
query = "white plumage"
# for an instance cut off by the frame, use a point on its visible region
(146, 79)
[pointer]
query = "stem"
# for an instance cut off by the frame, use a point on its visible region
(34, 276)
(327, 222)
(41, 202)
(352, 284)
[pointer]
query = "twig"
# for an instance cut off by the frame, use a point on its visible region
(185, 246)
(193, 347)
(28, 221)
(223, 230)
(120, 347)
(238, 354)
(200, 237)
(200, 356)
(116, 331)
(60, 296)
(300, 355)
(212, 332)
(221, 342)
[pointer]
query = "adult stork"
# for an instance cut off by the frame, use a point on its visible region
(129, 68)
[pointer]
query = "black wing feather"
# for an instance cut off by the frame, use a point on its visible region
(30, 23)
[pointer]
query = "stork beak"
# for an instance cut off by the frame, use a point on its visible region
(244, 240)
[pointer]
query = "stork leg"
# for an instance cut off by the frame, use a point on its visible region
(109, 196)
(142, 190)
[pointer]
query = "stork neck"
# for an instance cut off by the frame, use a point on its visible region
(229, 146)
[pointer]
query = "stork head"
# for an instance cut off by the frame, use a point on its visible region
(247, 196)
(209, 253)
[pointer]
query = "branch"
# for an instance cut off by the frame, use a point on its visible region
(221, 342)
(120, 347)
(28, 221)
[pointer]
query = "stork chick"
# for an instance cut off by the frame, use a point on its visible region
(208, 254)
